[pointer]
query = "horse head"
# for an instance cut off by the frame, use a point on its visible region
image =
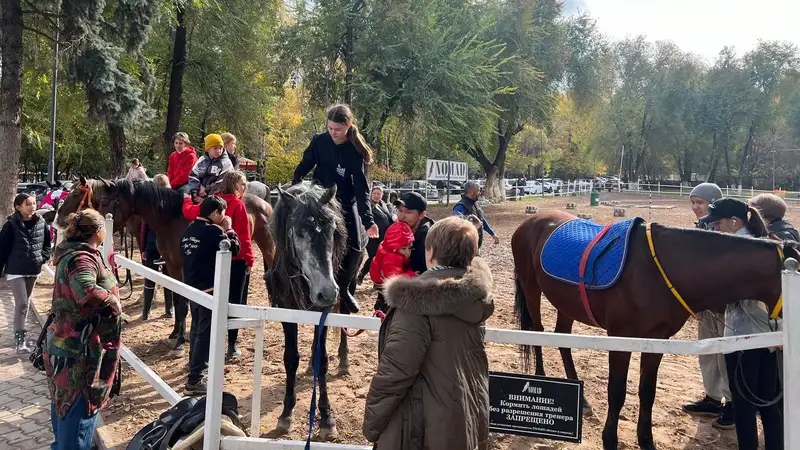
(310, 240)
(101, 194)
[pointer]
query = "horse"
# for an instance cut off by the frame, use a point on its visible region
(709, 270)
(161, 209)
(311, 241)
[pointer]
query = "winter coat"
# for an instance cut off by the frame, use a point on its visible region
(208, 172)
(431, 389)
(240, 223)
(81, 353)
(418, 263)
(180, 165)
(784, 230)
(24, 245)
(388, 262)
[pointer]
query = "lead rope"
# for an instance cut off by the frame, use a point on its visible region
(317, 367)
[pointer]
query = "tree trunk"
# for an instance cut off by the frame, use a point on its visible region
(10, 103)
(116, 137)
(175, 103)
(748, 145)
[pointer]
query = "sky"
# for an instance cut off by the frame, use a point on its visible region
(702, 27)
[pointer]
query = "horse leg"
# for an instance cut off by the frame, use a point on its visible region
(647, 396)
(291, 361)
(618, 363)
(564, 325)
(327, 424)
(344, 364)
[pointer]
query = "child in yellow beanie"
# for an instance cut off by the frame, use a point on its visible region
(208, 171)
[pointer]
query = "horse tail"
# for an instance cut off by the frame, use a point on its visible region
(524, 319)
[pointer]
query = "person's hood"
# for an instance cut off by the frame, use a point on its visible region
(398, 235)
(70, 247)
(465, 294)
(188, 149)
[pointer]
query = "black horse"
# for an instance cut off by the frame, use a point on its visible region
(311, 240)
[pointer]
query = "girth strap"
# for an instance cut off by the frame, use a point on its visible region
(582, 271)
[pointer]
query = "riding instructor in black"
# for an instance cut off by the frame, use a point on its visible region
(338, 157)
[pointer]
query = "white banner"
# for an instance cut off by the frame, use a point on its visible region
(438, 170)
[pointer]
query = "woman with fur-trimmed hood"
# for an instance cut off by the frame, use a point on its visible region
(431, 389)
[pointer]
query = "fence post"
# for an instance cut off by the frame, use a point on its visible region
(680, 191)
(791, 354)
(216, 354)
(108, 243)
(258, 359)
(659, 187)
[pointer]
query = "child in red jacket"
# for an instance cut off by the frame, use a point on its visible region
(181, 162)
(393, 258)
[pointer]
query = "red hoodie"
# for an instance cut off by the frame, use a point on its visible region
(179, 166)
(388, 262)
(240, 222)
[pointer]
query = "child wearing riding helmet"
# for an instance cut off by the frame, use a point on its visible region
(392, 259)
(752, 374)
(24, 246)
(206, 175)
(772, 208)
(711, 324)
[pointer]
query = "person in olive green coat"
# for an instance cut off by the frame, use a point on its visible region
(431, 389)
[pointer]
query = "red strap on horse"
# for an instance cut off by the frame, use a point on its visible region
(378, 313)
(582, 271)
(87, 197)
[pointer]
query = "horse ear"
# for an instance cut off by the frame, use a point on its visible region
(285, 195)
(108, 183)
(328, 195)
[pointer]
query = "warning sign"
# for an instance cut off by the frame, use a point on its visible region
(531, 405)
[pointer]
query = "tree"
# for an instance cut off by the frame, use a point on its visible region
(11, 101)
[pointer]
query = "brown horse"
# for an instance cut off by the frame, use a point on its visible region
(161, 209)
(709, 270)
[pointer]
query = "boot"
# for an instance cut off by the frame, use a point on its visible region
(20, 345)
(148, 303)
(168, 310)
(233, 353)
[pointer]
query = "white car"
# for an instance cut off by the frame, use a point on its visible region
(533, 187)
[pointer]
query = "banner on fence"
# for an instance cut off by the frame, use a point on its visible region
(438, 170)
(531, 405)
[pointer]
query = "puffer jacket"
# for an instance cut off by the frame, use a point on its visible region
(784, 230)
(388, 261)
(24, 245)
(431, 389)
(208, 172)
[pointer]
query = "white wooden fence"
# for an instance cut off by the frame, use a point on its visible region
(226, 317)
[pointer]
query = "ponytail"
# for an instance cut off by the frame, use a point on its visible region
(83, 224)
(357, 139)
(755, 224)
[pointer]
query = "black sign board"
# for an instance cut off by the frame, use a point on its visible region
(531, 405)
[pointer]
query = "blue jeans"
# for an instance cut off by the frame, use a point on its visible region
(75, 431)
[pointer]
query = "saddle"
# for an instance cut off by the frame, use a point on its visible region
(563, 255)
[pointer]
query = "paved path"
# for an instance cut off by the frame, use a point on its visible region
(24, 398)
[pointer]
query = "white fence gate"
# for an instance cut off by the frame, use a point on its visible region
(226, 317)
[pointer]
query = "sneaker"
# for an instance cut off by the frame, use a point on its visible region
(724, 420)
(177, 349)
(705, 407)
(193, 389)
(20, 346)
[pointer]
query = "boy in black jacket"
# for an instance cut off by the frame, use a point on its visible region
(199, 246)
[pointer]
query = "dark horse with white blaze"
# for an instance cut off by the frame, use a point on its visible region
(161, 209)
(311, 241)
(708, 271)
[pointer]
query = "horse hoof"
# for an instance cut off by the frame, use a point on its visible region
(284, 426)
(328, 434)
(587, 410)
(344, 369)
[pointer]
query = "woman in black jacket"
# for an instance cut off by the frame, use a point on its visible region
(384, 216)
(24, 246)
(338, 157)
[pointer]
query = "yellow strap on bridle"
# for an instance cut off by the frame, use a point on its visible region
(778, 306)
(672, 289)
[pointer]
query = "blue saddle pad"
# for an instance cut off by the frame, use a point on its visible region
(561, 255)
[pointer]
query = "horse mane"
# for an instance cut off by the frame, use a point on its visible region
(164, 200)
(287, 287)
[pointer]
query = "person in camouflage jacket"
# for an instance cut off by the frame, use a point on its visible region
(81, 352)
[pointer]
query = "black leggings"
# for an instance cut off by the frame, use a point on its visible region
(754, 373)
(240, 284)
(356, 242)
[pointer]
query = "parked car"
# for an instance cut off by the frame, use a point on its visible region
(419, 186)
(515, 188)
(37, 189)
(533, 187)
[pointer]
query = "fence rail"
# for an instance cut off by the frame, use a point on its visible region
(226, 316)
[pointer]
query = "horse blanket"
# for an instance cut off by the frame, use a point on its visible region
(563, 250)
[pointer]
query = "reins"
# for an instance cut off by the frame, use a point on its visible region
(377, 313)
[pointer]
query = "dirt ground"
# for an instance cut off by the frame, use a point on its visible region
(679, 378)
